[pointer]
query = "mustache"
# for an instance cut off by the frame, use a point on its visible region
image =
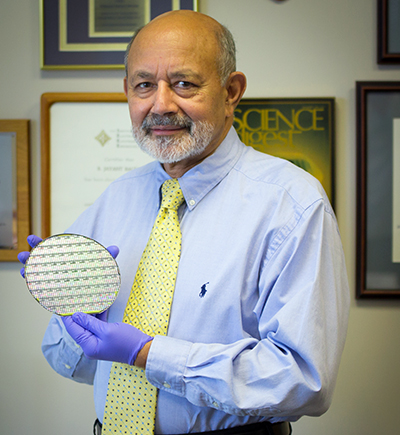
(153, 120)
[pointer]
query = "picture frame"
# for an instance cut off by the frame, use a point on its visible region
(15, 215)
(93, 34)
(378, 194)
(86, 142)
(388, 26)
(301, 130)
(82, 148)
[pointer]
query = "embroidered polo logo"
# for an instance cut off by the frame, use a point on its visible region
(203, 290)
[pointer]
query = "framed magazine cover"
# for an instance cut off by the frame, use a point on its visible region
(297, 129)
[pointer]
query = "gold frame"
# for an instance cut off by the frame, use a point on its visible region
(21, 128)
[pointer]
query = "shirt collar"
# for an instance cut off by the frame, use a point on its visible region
(199, 180)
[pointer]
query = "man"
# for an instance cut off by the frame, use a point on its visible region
(259, 312)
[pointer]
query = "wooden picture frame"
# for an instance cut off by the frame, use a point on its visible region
(388, 47)
(378, 166)
(74, 123)
(15, 220)
(86, 142)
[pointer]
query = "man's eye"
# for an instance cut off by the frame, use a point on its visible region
(144, 85)
(184, 85)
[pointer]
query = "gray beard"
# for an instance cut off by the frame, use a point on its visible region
(168, 149)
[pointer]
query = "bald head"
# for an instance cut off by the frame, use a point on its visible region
(206, 33)
(181, 92)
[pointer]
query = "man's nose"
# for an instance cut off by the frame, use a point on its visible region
(164, 100)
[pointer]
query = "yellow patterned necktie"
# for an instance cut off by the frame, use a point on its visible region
(131, 399)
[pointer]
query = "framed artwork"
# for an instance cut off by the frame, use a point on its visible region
(93, 34)
(297, 129)
(378, 190)
(388, 31)
(14, 188)
(86, 143)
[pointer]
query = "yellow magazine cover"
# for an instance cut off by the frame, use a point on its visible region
(297, 129)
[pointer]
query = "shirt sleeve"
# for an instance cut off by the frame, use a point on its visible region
(64, 355)
(290, 369)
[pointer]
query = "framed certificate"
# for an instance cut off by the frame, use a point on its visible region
(93, 34)
(86, 143)
(14, 188)
(378, 189)
(297, 129)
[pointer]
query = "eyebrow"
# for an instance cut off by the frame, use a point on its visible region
(183, 74)
(186, 74)
(142, 75)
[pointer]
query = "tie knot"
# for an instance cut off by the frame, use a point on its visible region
(172, 196)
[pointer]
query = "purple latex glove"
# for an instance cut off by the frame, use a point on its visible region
(119, 342)
(35, 240)
(24, 255)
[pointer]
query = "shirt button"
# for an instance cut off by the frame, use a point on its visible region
(192, 202)
(166, 385)
(215, 404)
(67, 366)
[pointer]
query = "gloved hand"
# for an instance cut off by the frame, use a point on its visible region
(24, 255)
(119, 342)
(35, 240)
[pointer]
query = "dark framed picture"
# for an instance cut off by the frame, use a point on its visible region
(93, 34)
(297, 129)
(388, 31)
(378, 190)
(14, 188)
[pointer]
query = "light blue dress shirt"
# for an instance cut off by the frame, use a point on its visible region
(260, 308)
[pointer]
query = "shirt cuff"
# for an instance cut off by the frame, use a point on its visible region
(64, 355)
(166, 364)
(71, 356)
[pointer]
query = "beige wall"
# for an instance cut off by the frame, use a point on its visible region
(291, 48)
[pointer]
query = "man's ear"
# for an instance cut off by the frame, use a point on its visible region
(126, 86)
(235, 86)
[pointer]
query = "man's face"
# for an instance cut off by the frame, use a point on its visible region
(176, 100)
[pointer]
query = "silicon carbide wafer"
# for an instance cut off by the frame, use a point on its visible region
(67, 273)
